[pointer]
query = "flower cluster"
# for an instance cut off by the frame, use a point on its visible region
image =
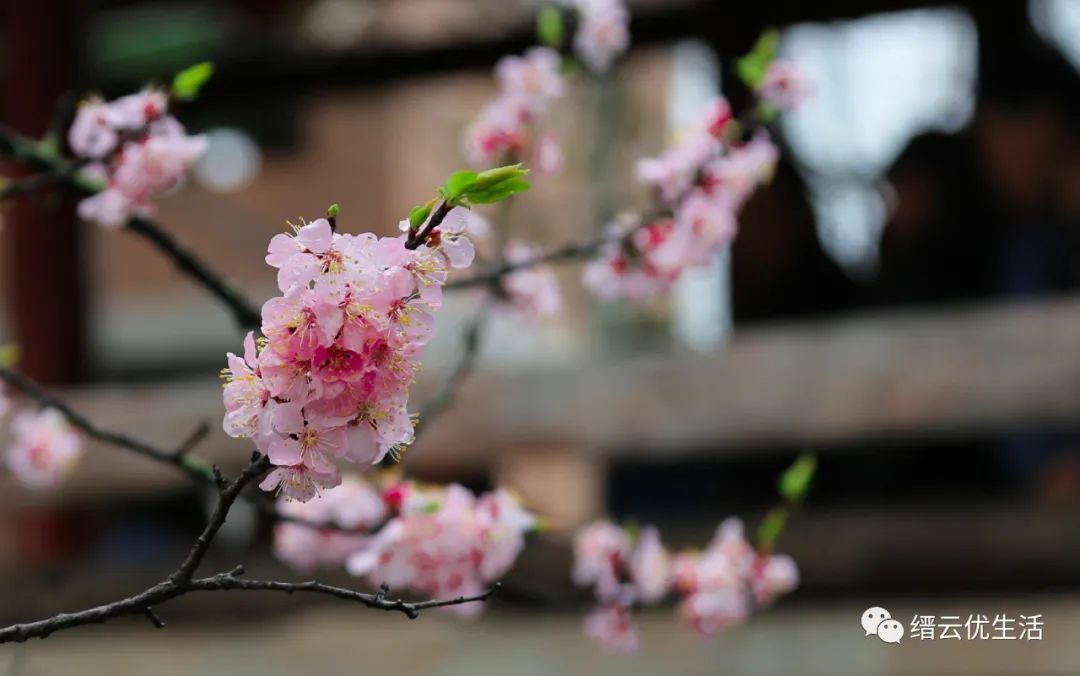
(136, 149)
(45, 448)
(700, 182)
(602, 32)
(718, 587)
(444, 542)
(504, 130)
(331, 379)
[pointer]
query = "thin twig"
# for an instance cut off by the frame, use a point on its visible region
(246, 314)
(194, 467)
(415, 239)
(495, 274)
(470, 350)
(59, 170)
(181, 458)
(181, 582)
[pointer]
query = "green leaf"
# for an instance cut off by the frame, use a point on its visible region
(459, 184)
(333, 210)
(418, 215)
(795, 481)
(771, 527)
(549, 27)
(188, 82)
(9, 355)
(751, 68)
(492, 177)
(499, 191)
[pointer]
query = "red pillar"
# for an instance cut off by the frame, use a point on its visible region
(42, 266)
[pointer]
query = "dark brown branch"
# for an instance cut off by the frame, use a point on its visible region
(194, 467)
(415, 239)
(470, 350)
(494, 275)
(57, 170)
(246, 314)
(181, 582)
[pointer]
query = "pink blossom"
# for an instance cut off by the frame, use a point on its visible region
(612, 627)
(444, 543)
(712, 610)
(533, 78)
(143, 152)
(498, 133)
(354, 505)
(743, 168)
(601, 550)
(533, 290)
(330, 383)
(44, 450)
(92, 134)
(602, 32)
(784, 86)
(773, 577)
(650, 567)
(548, 155)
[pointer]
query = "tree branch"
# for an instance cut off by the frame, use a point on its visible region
(246, 314)
(470, 350)
(494, 275)
(57, 170)
(181, 582)
(192, 466)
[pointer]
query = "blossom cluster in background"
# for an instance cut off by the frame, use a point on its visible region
(43, 448)
(717, 587)
(506, 128)
(700, 183)
(601, 33)
(437, 541)
(331, 379)
(135, 149)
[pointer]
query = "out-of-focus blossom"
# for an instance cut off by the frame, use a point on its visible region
(702, 180)
(445, 543)
(650, 567)
(602, 33)
(784, 86)
(532, 290)
(137, 149)
(355, 505)
(534, 78)
(601, 550)
(45, 448)
(612, 627)
(718, 587)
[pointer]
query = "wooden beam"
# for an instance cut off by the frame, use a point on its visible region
(951, 371)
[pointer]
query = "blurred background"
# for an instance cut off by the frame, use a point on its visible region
(902, 300)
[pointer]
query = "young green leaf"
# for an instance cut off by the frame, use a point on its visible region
(549, 27)
(418, 215)
(795, 481)
(459, 183)
(9, 355)
(188, 82)
(491, 177)
(499, 191)
(333, 210)
(752, 67)
(771, 527)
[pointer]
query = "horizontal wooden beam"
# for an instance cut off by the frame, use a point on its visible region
(912, 375)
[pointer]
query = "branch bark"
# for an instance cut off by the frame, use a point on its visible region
(182, 582)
